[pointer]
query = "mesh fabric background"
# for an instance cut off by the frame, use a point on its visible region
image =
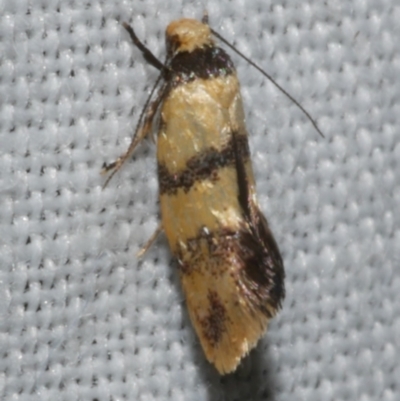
(81, 318)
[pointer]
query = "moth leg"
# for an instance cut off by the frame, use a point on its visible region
(149, 110)
(150, 241)
(204, 20)
(141, 132)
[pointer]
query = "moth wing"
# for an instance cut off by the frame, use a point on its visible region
(236, 280)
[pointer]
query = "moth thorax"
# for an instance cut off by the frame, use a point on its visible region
(186, 35)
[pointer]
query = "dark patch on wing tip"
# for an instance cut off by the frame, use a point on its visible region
(263, 270)
(213, 325)
(258, 270)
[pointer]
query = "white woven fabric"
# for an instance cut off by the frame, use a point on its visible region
(81, 318)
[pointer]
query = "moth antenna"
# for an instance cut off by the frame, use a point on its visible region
(252, 63)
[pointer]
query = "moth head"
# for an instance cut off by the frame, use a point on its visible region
(186, 35)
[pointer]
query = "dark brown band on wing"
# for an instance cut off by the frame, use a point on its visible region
(205, 62)
(242, 179)
(203, 166)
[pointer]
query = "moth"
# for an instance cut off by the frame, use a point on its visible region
(230, 266)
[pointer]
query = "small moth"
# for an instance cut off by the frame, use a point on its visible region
(229, 263)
